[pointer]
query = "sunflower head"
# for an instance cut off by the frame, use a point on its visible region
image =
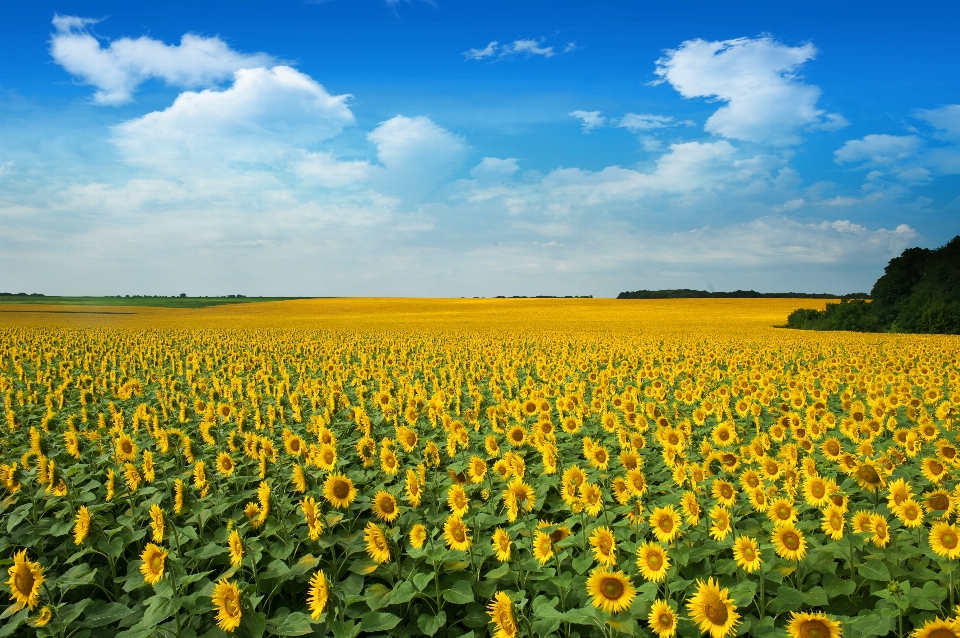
(611, 591)
(712, 608)
(154, 560)
(26, 579)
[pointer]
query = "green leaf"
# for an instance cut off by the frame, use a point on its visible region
(82, 574)
(304, 565)
(874, 570)
(347, 629)
(583, 562)
(835, 586)
(14, 623)
(276, 569)
(817, 597)
(159, 608)
(61, 528)
(786, 599)
(422, 579)
(207, 551)
(431, 624)
(499, 572)
(377, 596)
(459, 594)
(743, 593)
(871, 624)
(254, 624)
(68, 613)
(17, 515)
(102, 613)
(365, 565)
(928, 597)
(294, 624)
(402, 593)
(378, 621)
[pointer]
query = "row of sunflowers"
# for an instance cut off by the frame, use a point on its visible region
(165, 482)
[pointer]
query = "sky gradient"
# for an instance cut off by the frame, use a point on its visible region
(379, 148)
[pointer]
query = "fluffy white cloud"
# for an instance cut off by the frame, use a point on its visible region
(117, 70)
(877, 149)
(946, 119)
(265, 115)
(494, 168)
(532, 47)
(766, 101)
(486, 52)
(636, 122)
(589, 120)
(416, 152)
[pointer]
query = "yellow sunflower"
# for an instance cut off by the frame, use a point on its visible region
(662, 619)
(909, 512)
(412, 489)
(458, 501)
(477, 469)
(945, 540)
(789, 542)
(418, 535)
(542, 547)
(339, 490)
(26, 578)
(665, 523)
(721, 525)
(44, 617)
(833, 522)
(604, 546)
(653, 561)
(235, 544)
(377, 546)
(500, 610)
(611, 591)
(938, 628)
(317, 600)
(154, 559)
(712, 608)
(225, 465)
(385, 506)
(807, 625)
(746, 553)
(299, 478)
(81, 528)
(126, 448)
(724, 492)
(226, 598)
(456, 534)
(502, 544)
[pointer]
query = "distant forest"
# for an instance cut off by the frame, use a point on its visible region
(919, 292)
(686, 293)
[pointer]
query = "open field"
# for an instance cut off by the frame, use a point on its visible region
(520, 467)
(158, 302)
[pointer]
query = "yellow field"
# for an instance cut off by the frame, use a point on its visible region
(569, 467)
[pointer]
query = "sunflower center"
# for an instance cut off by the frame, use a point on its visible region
(612, 588)
(935, 468)
(127, 447)
(726, 491)
(604, 545)
(949, 540)
(783, 512)
(814, 629)
(654, 561)
(24, 581)
(156, 563)
(458, 535)
(748, 553)
(818, 490)
(387, 506)
(229, 605)
(716, 612)
(341, 489)
(791, 541)
(869, 475)
(938, 502)
(836, 521)
(942, 633)
(665, 620)
(666, 524)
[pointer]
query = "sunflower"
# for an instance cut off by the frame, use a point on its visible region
(653, 561)
(782, 512)
(500, 610)
(909, 512)
(177, 496)
(44, 617)
(326, 458)
(833, 522)
(691, 507)
(226, 598)
(156, 523)
(126, 448)
(225, 465)
(637, 482)
(945, 540)
(477, 469)
(810, 625)
(339, 490)
(317, 601)
(456, 534)
(235, 544)
(612, 592)
(938, 501)
(898, 491)
(599, 457)
(789, 542)
(665, 523)
(542, 547)
(524, 493)
(721, 526)
(82, 525)
(153, 558)
(862, 522)
(263, 497)
(816, 491)
(933, 470)
(458, 501)
(712, 609)
(385, 506)
(724, 493)
(418, 535)
(299, 478)
(412, 489)
(389, 462)
(869, 477)
(938, 628)
(502, 544)
(376, 543)
(662, 619)
(591, 497)
(26, 578)
(516, 436)
(746, 553)
(604, 546)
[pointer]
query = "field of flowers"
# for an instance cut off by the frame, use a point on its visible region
(471, 468)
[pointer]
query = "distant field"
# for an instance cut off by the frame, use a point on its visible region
(157, 302)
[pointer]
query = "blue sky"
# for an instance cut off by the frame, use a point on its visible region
(472, 148)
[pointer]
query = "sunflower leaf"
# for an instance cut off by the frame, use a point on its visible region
(874, 570)
(378, 621)
(431, 624)
(460, 593)
(102, 613)
(291, 624)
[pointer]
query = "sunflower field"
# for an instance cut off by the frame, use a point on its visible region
(269, 478)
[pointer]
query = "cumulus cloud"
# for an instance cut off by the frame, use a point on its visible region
(118, 69)
(766, 100)
(589, 120)
(494, 168)
(946, 119)
(522, 46)
(416, 152)
(877, 149)
(264, 116)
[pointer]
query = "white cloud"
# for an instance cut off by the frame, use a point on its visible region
(636, 122)
(117, 70)
(325, 169)
(493, 168)
(589, 120)
(917, 175)
(946, 119)
(877, 149)
(264, 116)
(532, 47)
(416, 152)
(766, 101)
(478, 54)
